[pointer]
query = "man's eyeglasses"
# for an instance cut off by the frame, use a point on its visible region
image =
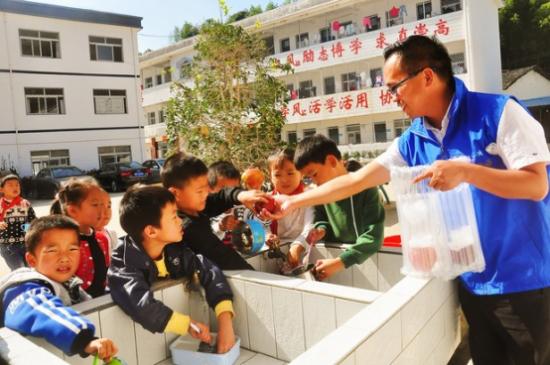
(393, 89)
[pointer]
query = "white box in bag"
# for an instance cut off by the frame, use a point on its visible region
(184, 352)
(438, 229)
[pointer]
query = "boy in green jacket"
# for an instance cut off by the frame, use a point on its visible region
(358, 220)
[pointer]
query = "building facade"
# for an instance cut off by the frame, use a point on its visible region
(337, 88)
(69, 87)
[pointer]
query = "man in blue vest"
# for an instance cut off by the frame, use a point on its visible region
(507, 306)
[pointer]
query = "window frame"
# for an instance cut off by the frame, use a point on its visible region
(110, 96)
(40, 39)
(281, 44)
(355, 131)
(106, 44)
(349, 81)
(42, 100)
(116, 153)
(423, 5)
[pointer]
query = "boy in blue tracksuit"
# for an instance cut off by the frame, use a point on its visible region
(36, 301)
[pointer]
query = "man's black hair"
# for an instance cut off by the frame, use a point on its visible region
(315, 149)
(142, 206)
(179, 168)
(418, 52)
(43, 224)
(222, 169)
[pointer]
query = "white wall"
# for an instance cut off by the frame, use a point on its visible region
(77, 91)
(532, 85)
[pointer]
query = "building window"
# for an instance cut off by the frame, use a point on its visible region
(292, 137)
(309, 132)
(400, 125)
(167, 74)
(373, 23)
(458, 63)
(448, 6)
(330, 85)
(354, 133)
(424, 10)
(291, 93)
(44, 101)
(380, 134)
(151, 118)
(302, 40)
(377, 77)
(396, 20)
(159, 79)
(285, 45)
(110, 101)
(349, 81)
(326, 35)
(52, 158)
(307, 90)
(110, 154)
(162, 116)
(105, 49)
(334, 135)
(148, 82)
(269, 45)
(39, 44)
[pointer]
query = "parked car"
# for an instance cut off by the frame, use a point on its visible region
(48, 181)
(155, 166)
(117, 176)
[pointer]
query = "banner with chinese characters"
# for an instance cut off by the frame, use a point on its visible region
(347, 104)
(448, 28)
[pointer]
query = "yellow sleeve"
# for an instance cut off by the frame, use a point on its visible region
(178, 324)
(224, 306)
(161, 266)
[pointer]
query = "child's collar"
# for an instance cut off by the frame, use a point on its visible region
(298, 190)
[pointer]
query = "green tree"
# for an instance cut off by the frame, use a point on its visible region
(187, 30)
(270, 6)
(524, 33)
(233, 109)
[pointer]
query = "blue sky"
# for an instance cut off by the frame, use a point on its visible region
(160, 16)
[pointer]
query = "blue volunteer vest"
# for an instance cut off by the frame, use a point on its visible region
(514, 233)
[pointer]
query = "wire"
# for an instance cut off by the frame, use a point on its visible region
(155, 35)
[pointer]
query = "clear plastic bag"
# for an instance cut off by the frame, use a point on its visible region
(438, 229)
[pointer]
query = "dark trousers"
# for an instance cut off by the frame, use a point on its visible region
(14, 255)
(508, 329)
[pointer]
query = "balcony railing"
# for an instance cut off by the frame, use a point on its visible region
(448, 28)
(155, 130)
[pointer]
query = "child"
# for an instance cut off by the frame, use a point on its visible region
(358, 220)
(15, 215)
(35, 301)
(149, 215)
(296, 226)
(81, 199)
(223, 174)
(186, 177)
(106, 214)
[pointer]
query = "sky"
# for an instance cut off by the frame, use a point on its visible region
(161, 16)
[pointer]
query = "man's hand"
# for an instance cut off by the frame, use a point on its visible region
(3, 225)
(272, 240)
(203, 334)
(295, 255)
(444, 175)
(315, 235)
(284, 206)
(226, 335)
(327, 267)
(250, 197)
(103, 347)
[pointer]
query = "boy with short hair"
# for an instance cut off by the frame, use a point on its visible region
(149, 215)
(15, 215)
(36, 301)
(223, 174)
(358, 220)
(186, 177)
